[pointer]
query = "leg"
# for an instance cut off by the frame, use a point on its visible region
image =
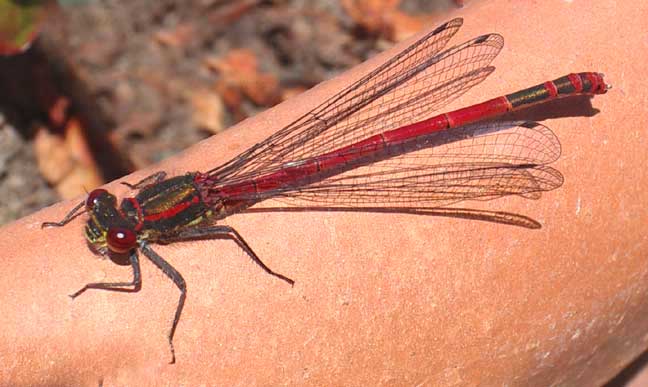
(148, 180)
(70, 215)
(229, 232)
(176, 277)
(136, 283)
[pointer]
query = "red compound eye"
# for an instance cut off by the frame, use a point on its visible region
(121, 240)
(94, 196)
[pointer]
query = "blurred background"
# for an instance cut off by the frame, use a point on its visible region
(95, 89)
(92, 90)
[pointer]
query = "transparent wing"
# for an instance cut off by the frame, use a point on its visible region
(475, 162)
(407, 88)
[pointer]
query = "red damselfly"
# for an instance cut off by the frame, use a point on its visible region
(372, 146)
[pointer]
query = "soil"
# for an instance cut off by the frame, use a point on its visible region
(115, 86)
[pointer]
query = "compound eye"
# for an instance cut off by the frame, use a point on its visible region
(121, 240)
(96, 195)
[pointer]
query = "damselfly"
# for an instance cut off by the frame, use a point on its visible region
(371, 146)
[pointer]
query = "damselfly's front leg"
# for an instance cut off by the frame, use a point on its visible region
(152, 179)
(136, 283)
(148, 180)
(70, 215)
(177, 279)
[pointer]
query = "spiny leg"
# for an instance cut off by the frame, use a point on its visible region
(70, 215)
(148, 180)
(136, 283)
(227, 231)
(176, 277)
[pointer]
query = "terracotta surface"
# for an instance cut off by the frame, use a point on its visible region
(379, 299)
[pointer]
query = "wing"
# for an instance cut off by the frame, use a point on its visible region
(476, 162)
(407, 88)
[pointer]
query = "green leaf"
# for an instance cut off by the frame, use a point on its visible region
(20, 21)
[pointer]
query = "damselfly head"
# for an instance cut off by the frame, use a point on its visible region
(107, 230)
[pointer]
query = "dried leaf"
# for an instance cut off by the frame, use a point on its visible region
(230, 94)
(208, 110)
(373, 15)
(76, 142)
(65, 162)
(54, 159)
(177, 37)
(239, 70)
(236, 66)
(384, 18)
(263, 90)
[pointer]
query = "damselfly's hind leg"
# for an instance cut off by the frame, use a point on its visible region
(148, 180)
(70, 215)
(229, 232)
(136, 283)
(176, 277)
